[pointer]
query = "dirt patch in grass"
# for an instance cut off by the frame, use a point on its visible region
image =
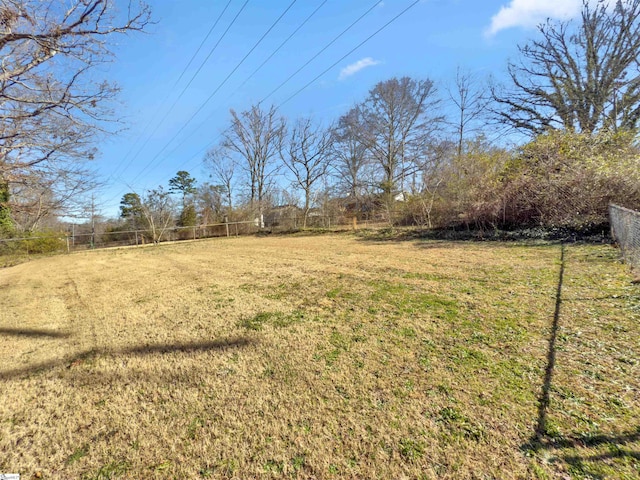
(320, 357)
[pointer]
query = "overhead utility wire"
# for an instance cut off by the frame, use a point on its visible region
(202, 44)
(206, 120)
(255, 71)
(280, 46)
(321, 51)
(188, 84)
(324, 71)
(214, 92)
(352, 50)
(164, 101)
(210, 53)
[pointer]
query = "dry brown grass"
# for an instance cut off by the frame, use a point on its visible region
(319, 357)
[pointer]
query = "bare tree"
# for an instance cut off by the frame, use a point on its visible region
(399, 120)
(158, 210)
(579, 75)
(350, 153)
(209, 200)
(33, 202)
(52, 108)
(222, 169)
(306, 156)
(470, 102)
(255, 136)
(432, 176)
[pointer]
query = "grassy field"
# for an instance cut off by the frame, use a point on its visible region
(334, 356)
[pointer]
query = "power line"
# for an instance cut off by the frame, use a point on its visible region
(204, 122)
(352, 50)
(209, 55)
(327, 69)
(211, 96)
(164, 117)
(280, 46)
(215, 91)
(184, 70)
(202, 44)
(321, 51)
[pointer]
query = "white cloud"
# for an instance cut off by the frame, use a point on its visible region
(356, 67)
(530, 13)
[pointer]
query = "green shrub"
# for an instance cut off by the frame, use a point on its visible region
(188, 216)
(43, 242)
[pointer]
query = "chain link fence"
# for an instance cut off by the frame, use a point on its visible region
(84, 237)
(625, 229)
(73, 240)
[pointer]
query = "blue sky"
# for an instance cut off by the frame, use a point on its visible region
(431, 40)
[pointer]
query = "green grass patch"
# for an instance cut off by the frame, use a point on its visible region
(110, 471)
(405, 299)
(78, 454)
(274, 319)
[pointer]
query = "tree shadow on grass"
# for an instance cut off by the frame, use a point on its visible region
(594, 440)
(33, 333)
(619, 453)
(554, 442)
(542, 440)
(599, 451)
(161, 348)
